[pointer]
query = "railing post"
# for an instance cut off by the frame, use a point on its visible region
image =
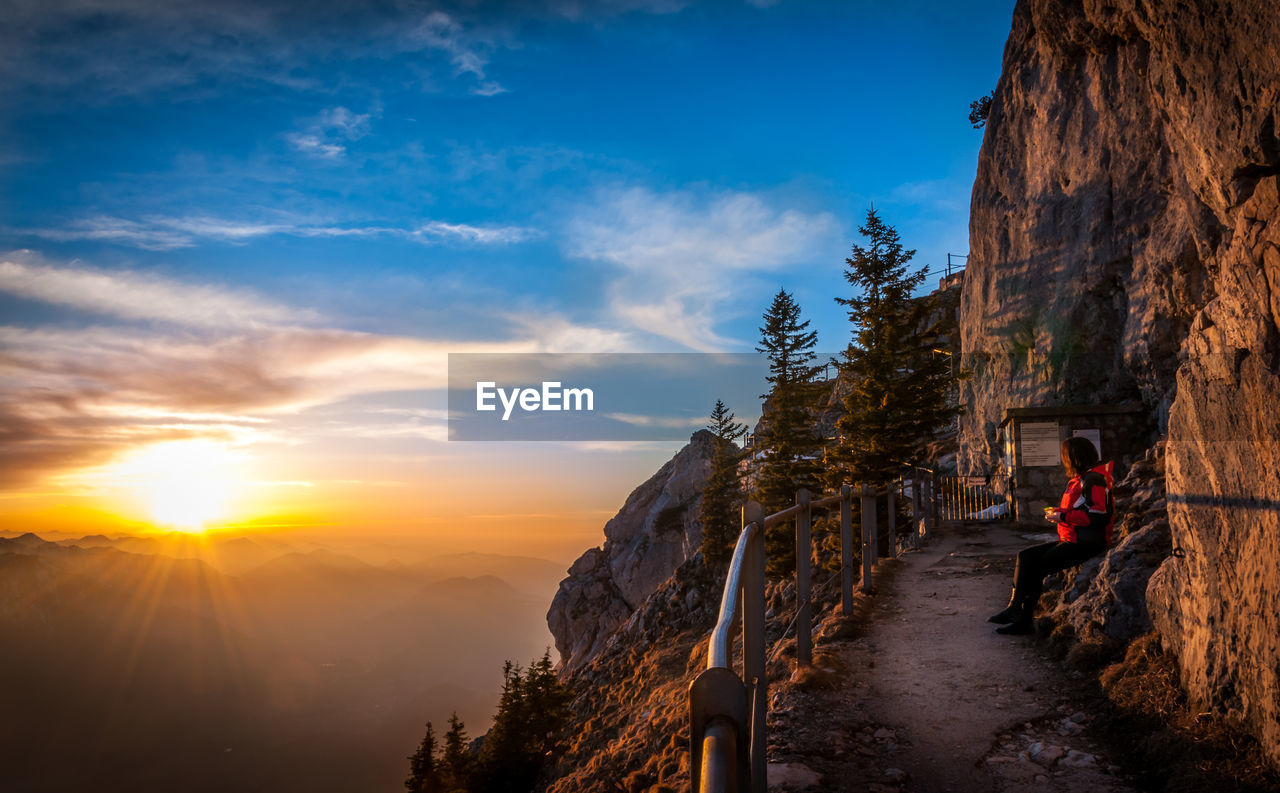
(804, 617)
(868, 535)
(846, 549)
(753, 659)
(915, 508)
(936, 511)
(930, 497)
(892, 550)
(883, 550)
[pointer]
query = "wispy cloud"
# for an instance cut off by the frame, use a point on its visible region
(134, 296)
(326, 135)
(160, 233)
(316, 145)
(484, 235)
(675, 422)
(467, 50)
(107, 49)
(549, 332)
(682, 258)
(214, 363)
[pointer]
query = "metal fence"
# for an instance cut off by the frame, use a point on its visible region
(727, 710)
(970, 498)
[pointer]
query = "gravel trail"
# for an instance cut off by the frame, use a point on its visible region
(927, 698)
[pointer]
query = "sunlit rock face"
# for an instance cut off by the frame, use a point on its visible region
(1125, 243)
(656, 530)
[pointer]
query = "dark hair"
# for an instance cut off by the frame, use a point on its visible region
(1079, 454)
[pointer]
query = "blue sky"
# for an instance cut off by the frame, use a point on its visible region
(237, 220)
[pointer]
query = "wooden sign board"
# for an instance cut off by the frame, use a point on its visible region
(1039, 443)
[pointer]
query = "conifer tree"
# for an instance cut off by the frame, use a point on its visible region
(456, 762)
(899, 387)
(423, 776)
(526, 734)
(722, 495)
(787, 433)
(548, 700)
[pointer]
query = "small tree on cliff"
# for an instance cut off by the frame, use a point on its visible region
(457, 764)
(722, 495)
(899, 386)
(525, 739)
(423, 777)
(526, 734)
(788, 433)
(979, 111)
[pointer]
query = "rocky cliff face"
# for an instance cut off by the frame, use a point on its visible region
(655, 532)
(1125, 244)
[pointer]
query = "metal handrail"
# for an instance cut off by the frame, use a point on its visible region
(721, 635)
(725, 709)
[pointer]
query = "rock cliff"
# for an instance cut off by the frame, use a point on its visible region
(1125, 244)
(655, 532)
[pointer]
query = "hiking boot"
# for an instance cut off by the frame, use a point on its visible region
(1019, 627)
(1023, 623)
(1010, 613)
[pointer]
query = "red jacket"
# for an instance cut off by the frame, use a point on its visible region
(1077, 506)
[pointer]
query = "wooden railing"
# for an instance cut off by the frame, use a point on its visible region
(727, 710)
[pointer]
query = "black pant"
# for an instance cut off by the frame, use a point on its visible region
(1038, 561)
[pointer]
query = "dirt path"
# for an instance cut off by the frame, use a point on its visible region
(927, 698)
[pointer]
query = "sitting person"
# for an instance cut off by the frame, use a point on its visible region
(1084, 517)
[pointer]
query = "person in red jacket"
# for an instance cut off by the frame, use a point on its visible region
(1084, 519)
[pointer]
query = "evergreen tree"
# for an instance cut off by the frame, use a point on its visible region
(548, 701)
(526, 734)
(722, 495)
(788, 432)
(456, 762)
(423, 776)
(899, 387)
(979, 111)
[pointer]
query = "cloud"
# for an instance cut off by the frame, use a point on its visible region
(314, 144)
(135, 296)
(548, 332)
(160, 233)
(484, 235)
(217, 364)
(681, 258)
(103, 50)
(326, 135)
(343, 122)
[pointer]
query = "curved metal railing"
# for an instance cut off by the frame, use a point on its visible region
(727, 712)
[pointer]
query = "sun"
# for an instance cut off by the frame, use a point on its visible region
(186, 485)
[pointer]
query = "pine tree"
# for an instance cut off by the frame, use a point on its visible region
(788, 433)
(456, 762)
(899, 387)
(548, 701)
(722, 495)
(526, 734)
(423, 776)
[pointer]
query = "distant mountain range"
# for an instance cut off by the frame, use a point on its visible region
(153, 664)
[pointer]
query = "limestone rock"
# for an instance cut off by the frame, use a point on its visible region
(1106, 601)
(792, 776)
(655, 532)
(1125, 244)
